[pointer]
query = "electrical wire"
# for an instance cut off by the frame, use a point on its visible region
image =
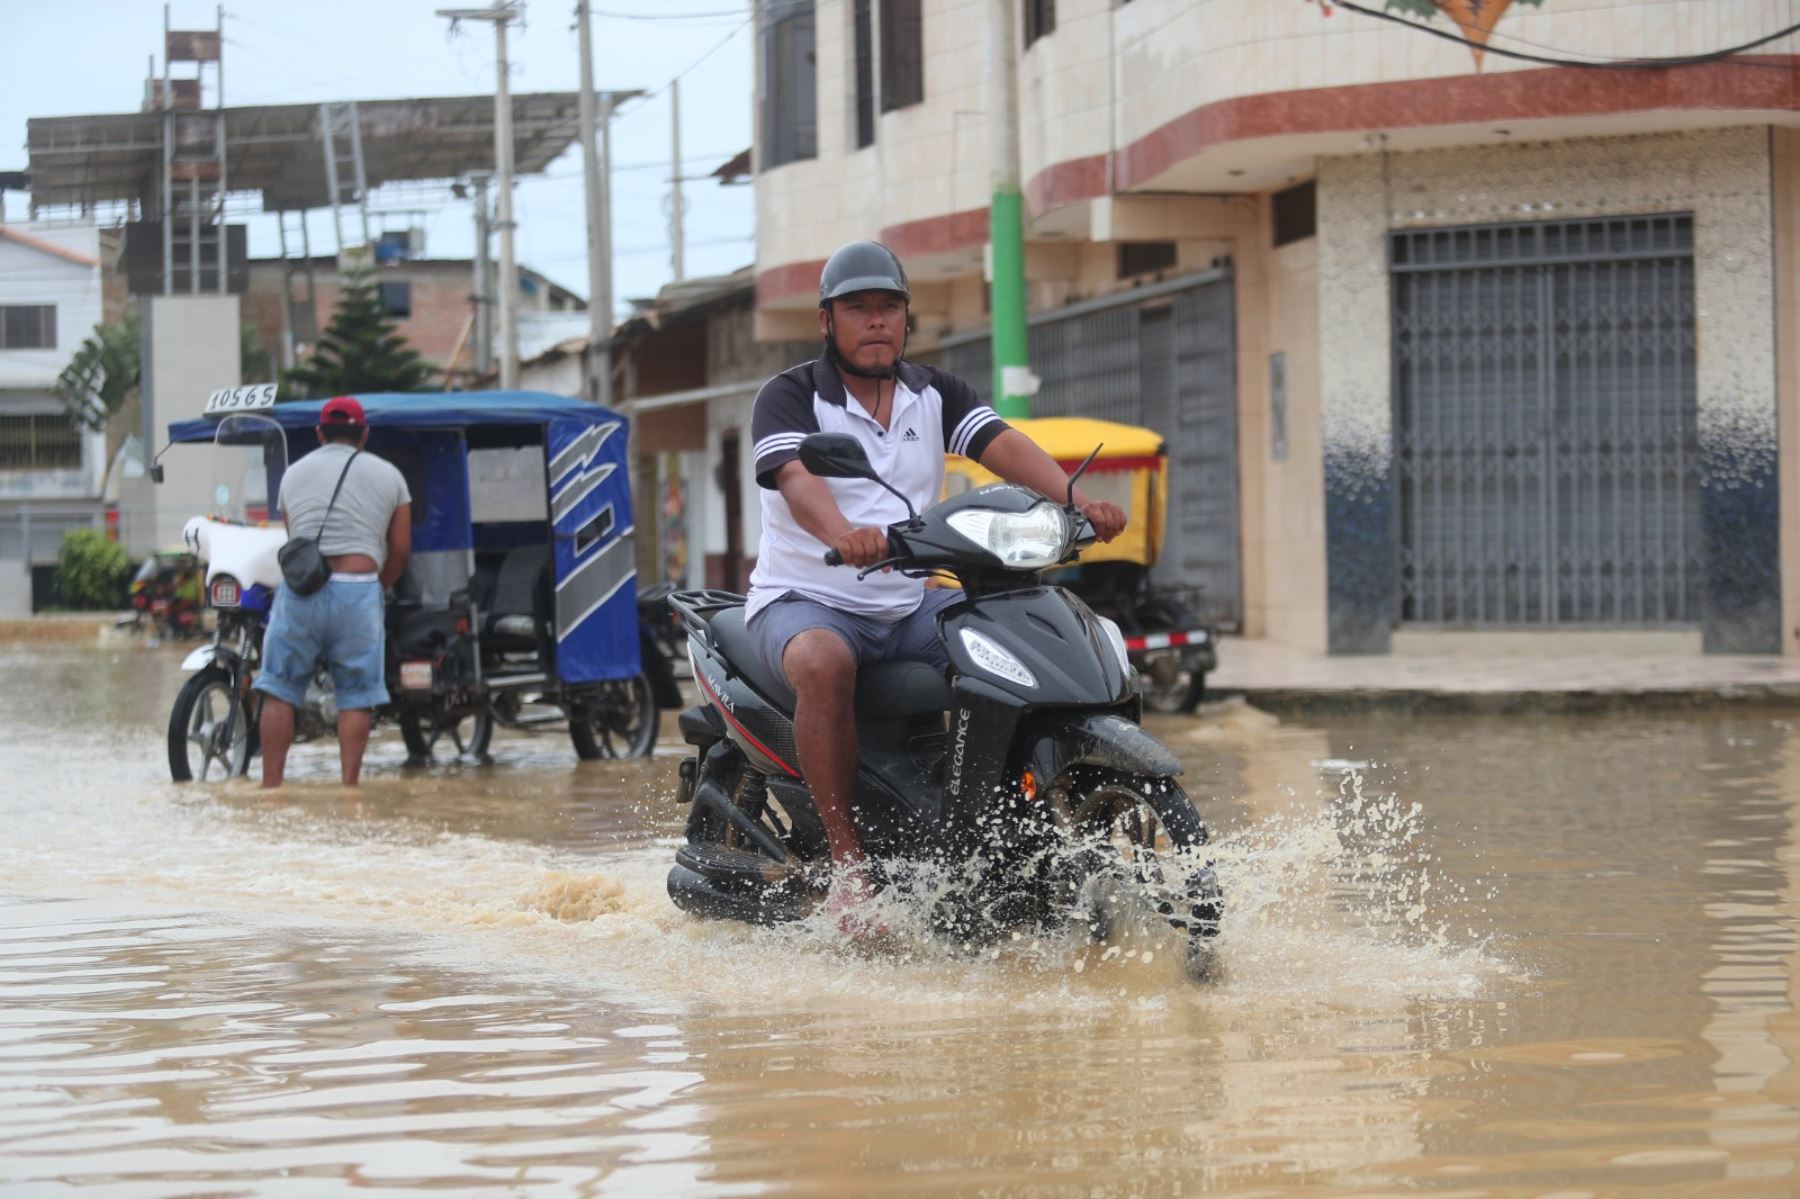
(667, 16)
(690, 68)
(1628, 64)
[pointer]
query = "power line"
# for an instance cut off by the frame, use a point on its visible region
(1626, 64)
(689, 69)
(668, 16)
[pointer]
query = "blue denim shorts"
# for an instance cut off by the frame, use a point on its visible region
(340, 626)
(912, 638)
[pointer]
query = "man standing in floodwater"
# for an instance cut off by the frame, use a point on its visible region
(365, 535)
(813, 624)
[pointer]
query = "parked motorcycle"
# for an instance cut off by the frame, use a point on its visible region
(1041, 792)
(164, 596)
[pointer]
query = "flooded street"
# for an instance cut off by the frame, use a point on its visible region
(1524, 956)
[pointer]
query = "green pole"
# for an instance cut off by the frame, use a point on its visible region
(1006, 235)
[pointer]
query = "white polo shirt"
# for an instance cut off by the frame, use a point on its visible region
(933, 411)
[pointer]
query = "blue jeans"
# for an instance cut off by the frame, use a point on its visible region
(340, 626)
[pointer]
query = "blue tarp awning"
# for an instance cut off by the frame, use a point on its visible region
(444, 410)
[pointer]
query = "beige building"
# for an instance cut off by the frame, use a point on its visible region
(1442, 342)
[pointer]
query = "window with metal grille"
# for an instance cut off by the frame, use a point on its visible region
(27, 327)
(1040, 19)
(790, 115)
(396, 298)
(902, 54)
(39, 441)
(1145, 257)
(863, 41)
(1296, 212)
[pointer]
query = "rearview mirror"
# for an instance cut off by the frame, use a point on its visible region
(156, 472)
(835, 456)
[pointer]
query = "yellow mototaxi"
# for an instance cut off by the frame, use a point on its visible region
(1171, 647)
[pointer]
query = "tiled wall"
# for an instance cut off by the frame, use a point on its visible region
(1722, 177)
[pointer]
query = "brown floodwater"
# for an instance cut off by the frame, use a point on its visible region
(1465, 956)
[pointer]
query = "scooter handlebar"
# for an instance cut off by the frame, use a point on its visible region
(833, 558)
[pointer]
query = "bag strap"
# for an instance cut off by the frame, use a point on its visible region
(334, 495)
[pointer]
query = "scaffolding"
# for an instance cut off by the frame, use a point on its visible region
(190, 204)
(177, 171)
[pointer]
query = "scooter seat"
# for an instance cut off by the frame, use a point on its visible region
(886, 691)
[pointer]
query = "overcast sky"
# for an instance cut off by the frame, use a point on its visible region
(67, 58)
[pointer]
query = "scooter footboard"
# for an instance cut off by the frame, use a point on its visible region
(1095, 739)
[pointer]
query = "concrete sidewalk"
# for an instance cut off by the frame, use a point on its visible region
(59, 627)
(1281, 678)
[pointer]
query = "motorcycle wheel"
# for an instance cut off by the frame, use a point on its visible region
(423, 732)
(1182, 694)
(1145, 837)
(621, 722)
(199, 745)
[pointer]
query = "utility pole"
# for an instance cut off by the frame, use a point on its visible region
(1013, 383)
(599, 347)
(677, 243)
(484, 278)
(502, 15)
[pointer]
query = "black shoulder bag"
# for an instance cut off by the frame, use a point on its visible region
(303, 567)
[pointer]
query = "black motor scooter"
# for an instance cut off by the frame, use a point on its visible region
(1040, 789)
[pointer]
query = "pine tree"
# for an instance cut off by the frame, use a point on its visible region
(361, 350)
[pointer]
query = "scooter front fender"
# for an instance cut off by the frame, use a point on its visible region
(206, 654)
(1095, 739)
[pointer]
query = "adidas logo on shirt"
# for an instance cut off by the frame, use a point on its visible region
(909, 435)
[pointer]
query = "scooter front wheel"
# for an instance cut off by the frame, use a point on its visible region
(1143, 844)
(212, 731)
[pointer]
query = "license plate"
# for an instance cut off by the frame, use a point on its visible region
(415, 676)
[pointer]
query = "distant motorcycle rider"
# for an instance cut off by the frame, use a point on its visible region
(366, 537)
(814, 625)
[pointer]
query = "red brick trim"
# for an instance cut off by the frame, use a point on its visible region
(1407, 104)
(938, 234)
(787, 280)
(1423, 103)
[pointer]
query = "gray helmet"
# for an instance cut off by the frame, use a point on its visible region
(861, 266)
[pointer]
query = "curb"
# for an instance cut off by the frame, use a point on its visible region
(1302, 702)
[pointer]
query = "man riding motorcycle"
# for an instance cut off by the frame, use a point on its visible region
(813, 624)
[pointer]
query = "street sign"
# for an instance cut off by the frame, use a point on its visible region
(248, 398)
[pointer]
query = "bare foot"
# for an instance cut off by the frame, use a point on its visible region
(851, 905)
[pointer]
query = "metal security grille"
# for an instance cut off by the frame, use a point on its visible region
(40, 441)
(1544, 423)
(1162, 357)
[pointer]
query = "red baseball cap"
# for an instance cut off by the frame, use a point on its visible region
(342, 410)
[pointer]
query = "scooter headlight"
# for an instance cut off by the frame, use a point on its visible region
(1029, 540)
(996, 659)
(1117, 640)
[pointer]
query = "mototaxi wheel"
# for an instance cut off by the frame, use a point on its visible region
(1180, 694)
(212, 732)
(1143, 839)
(618, 721)
(423, 731)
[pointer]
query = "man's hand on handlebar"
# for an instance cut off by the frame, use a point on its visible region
(861, 547)
(1108, 519)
